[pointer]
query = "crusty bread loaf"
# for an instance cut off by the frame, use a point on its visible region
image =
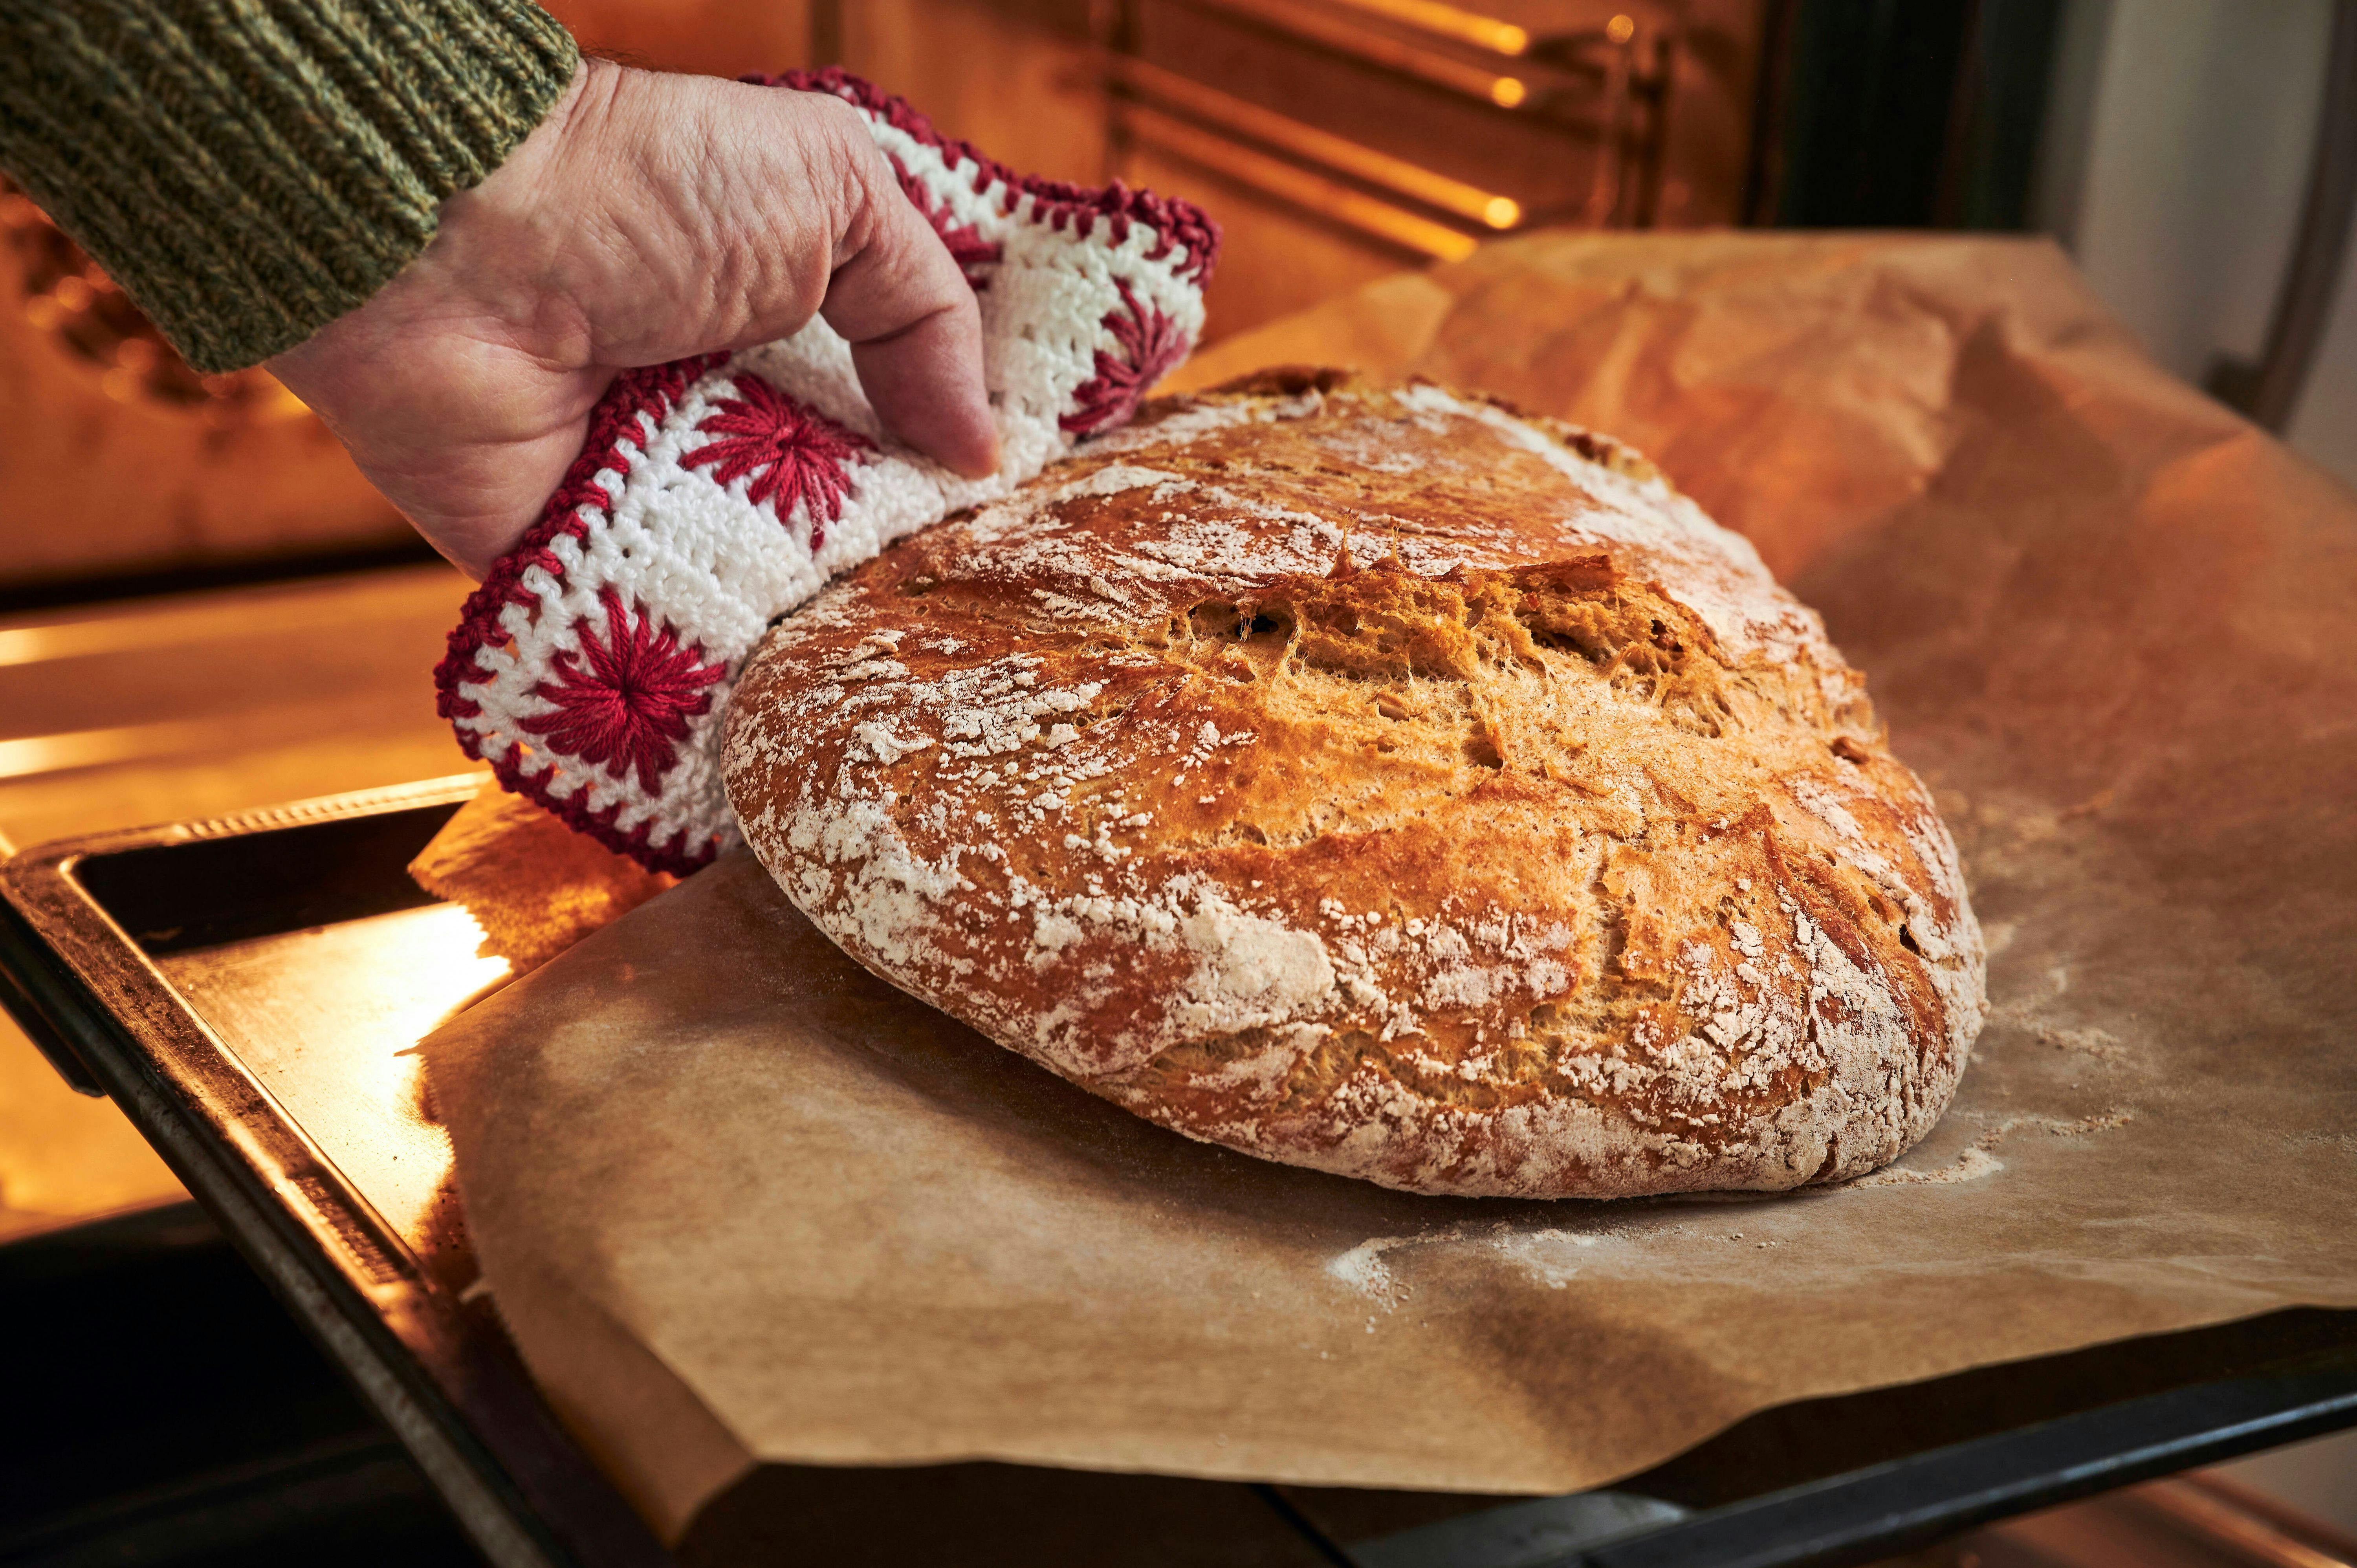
(1384, 782)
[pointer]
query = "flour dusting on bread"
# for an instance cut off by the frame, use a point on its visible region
(1381, 780)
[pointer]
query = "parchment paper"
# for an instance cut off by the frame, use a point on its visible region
(739, 1200)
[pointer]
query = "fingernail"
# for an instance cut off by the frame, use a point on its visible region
(985, 466)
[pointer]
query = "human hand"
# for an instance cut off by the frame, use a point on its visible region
(649, 218)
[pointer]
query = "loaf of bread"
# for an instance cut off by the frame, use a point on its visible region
(1381, 780)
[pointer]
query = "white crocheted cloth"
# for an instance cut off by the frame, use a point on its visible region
(593, 667)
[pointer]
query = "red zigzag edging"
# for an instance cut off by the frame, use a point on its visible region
(1059, 202)
(647, 394)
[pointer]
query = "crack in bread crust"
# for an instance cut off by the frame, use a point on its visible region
(1380, 780)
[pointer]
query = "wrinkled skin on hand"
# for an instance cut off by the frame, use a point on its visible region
(651, 217)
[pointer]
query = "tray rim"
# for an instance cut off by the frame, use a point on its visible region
(443, 1378)
(451, 1387)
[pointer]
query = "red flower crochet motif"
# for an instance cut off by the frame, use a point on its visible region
(1150, 344)
(974, 254)
(795, 455)
(627, 709)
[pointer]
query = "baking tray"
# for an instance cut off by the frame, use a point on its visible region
(247, 990)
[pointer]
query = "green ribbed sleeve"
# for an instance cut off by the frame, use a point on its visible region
(249, 170)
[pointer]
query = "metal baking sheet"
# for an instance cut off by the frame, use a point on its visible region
(243, 988)
(248, 989)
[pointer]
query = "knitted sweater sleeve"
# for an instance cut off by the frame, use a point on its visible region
(249, 170)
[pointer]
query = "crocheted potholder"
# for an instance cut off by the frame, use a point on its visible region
(593, 667)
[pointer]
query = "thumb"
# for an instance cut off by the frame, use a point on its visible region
(899, 300)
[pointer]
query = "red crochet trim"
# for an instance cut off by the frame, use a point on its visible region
(974, 254)
(1058, 203)
(647, 392)
(573, 812)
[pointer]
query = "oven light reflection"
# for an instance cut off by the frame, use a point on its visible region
(325, 1020)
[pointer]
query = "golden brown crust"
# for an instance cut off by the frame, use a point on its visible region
(1381, 780)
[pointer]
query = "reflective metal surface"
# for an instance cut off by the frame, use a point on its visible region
(245, 989)
(324, 1019)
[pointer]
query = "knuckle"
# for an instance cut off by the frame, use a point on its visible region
(843, 160)
(837, 131)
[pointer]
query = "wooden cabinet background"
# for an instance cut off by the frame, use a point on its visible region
(1336, 141)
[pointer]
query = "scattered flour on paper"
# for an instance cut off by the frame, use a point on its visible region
(1977, 1161)
(1972, 1164)
(1363, 1270)
(1550, 1257)
(2029, 1013)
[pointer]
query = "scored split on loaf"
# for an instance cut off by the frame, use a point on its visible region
(1381, 780)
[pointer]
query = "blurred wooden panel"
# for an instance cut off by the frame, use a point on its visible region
(2199, 1519)
(116, 459)
(710, 37)
(1013, 79)
(119, 461)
